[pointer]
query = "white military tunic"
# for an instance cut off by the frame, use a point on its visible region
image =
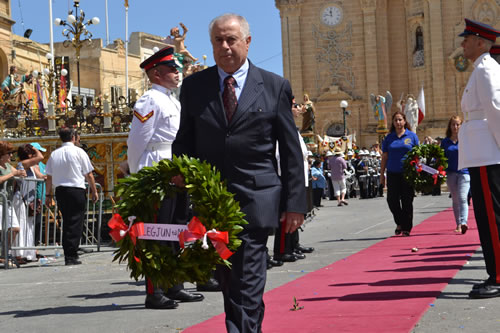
(154, 127)
(479, 135)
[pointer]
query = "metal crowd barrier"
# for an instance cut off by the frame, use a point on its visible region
(41, 223)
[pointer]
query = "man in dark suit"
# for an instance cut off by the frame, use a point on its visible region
(233, 115)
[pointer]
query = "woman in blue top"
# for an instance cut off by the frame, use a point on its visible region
(396, 144)
(318, 183)
(458, 181)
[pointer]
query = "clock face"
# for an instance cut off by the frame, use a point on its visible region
(331, 15)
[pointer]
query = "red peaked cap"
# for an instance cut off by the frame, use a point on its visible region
(163, 57)
(480, 29)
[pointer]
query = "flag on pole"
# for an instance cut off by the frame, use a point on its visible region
(126, 3)
(421, 105)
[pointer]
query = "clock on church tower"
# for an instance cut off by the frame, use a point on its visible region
(331, 15)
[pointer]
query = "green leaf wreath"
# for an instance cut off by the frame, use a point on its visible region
(141, 195)
(430, 155)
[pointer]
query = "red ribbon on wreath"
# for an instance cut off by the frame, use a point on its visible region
(119, 229)
(196, 230)
(416, 163)
(440, 172)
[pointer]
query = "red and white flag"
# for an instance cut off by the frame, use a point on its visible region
(421, 105)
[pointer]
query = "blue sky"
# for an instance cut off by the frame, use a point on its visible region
(157, 17)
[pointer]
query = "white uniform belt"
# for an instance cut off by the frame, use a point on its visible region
(475, 115)
(159, 146)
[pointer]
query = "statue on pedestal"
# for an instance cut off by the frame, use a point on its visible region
(308, 118)
(179, 42)
(380, 105)
(410, 109)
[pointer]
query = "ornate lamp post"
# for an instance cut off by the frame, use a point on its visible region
(76, 33)
(344, 105)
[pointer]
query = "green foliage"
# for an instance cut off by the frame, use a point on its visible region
(141, 195)
(430, 155)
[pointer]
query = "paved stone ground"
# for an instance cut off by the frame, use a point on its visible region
(99, 296)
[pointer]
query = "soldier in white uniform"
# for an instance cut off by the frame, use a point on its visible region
(479, 148)
(154, 127)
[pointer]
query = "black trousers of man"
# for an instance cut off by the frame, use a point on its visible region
(400, 199)
(174, 210)
(71, 201)
(485, 188)
(243, 285)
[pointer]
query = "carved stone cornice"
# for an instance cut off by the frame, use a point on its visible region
(288, 4)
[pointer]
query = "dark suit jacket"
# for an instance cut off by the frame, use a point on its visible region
(244, 150)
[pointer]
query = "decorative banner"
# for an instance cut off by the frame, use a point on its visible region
(162, 232)
(428, 169)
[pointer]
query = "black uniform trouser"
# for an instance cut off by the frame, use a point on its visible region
(317, 194)
(243, 285)
(400, 199)
(71, 201)
(485, 188)
(173, 210)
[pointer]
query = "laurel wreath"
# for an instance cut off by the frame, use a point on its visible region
(430, 155)
(142, 193)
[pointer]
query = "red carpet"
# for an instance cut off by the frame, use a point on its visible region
(384, 288)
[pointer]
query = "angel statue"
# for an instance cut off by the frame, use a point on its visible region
(411, 112)
(380, 105)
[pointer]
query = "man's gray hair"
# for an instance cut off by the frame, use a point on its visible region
(244, 26)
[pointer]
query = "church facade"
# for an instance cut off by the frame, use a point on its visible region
(336, 50)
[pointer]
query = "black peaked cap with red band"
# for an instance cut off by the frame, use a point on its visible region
(495, 50)
(480, 29)
(163, 57)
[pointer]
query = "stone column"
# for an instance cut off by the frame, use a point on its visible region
(436, 103)
(290, 11)
(370, 39)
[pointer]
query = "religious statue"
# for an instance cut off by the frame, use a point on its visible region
(411, 112)
(179, 42)
(380, 105)
(308, 118)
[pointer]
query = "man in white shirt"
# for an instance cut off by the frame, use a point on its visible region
(154, 127)
(479, 148)
(67, 169)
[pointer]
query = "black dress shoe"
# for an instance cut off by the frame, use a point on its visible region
(482, 284)
(211, 285)
(158, 301)
(285, 258)
(487, 291)
(275, 263)
(304, 249)
(185, 296)
(299, 255)
(72, 261)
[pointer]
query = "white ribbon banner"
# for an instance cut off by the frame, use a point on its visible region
(162, 232)
(428, 169)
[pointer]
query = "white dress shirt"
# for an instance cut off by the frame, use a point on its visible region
(68, 166)
(479, 135)
(156, 120)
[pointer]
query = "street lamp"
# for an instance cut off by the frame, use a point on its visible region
(75, 29)
(344, 105)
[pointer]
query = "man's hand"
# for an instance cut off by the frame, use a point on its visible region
(178, 181)
(293, 221)
(382, 180)
(95, 196)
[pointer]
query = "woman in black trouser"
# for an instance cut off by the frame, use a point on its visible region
(396, 144)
